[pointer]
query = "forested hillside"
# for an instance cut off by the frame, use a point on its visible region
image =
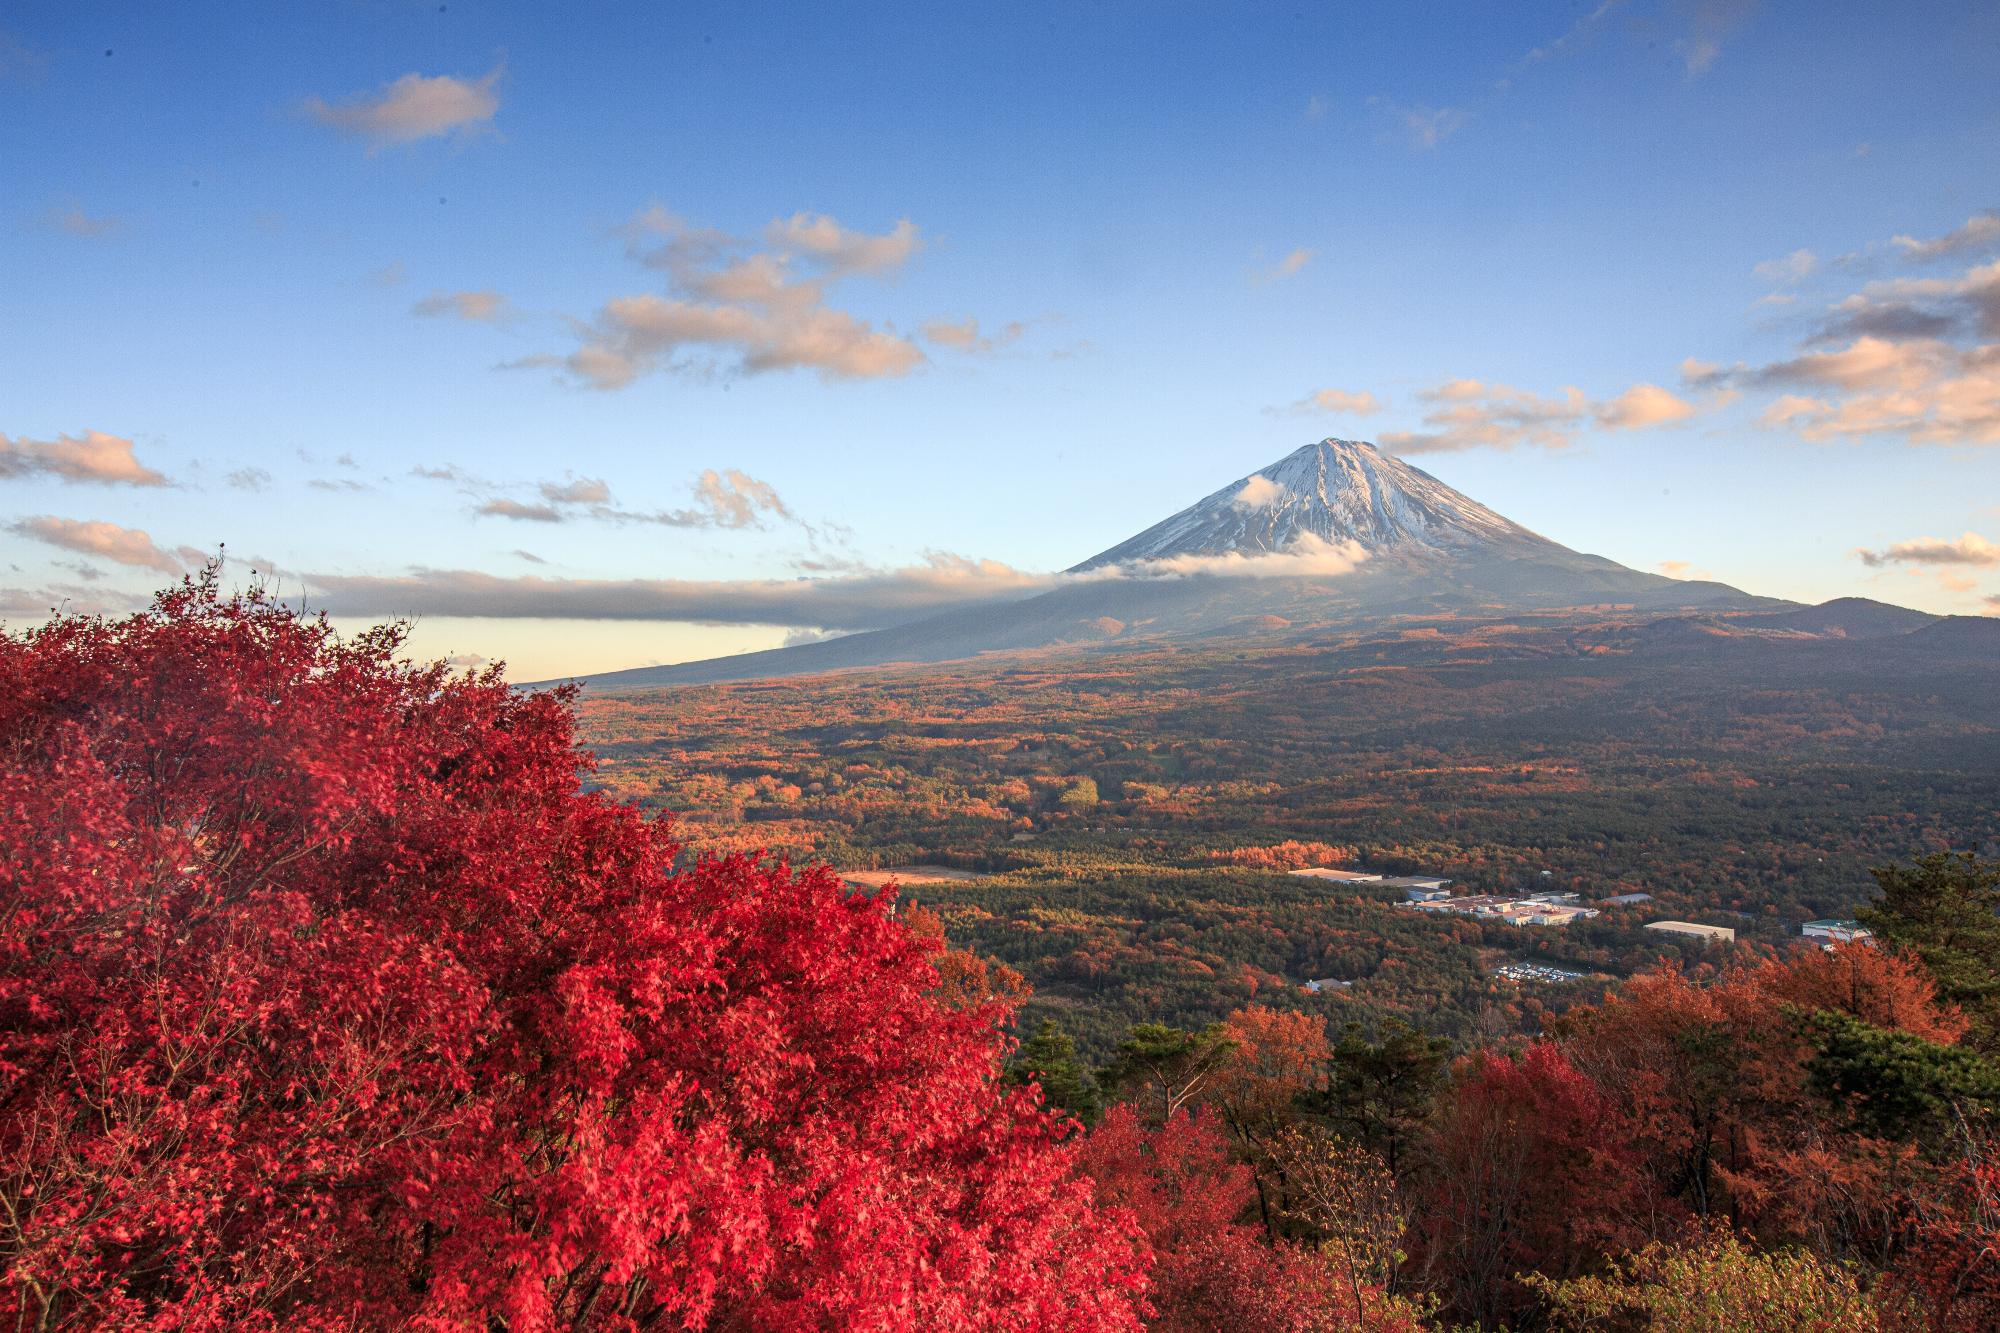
(1116, 807)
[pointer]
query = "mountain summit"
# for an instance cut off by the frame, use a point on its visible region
(1335, 533)
(1339, 491)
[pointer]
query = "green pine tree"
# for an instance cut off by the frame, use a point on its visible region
(1945, 909)
(1049, 1058)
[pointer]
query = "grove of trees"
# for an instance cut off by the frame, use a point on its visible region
(336, 994)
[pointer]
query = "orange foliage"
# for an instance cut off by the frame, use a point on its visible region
(1287, 855)
(1876, 986)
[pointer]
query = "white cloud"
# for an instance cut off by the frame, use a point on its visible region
(1309, 556)
(92, 457)
(414, 107)
(1260, 492)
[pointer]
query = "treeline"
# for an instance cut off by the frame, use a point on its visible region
(1798, 1143)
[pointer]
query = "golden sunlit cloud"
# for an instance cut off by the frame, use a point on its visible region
(1971, 550)
(91, 457)
(1472, 414)
(757, 311)
(126, 546)
(1360, 404)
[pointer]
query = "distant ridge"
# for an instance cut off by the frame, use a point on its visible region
(1979, 634)
(1336, 532)
(1848, 617)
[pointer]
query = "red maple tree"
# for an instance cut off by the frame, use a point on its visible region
(1211, 1269)
(330, 997)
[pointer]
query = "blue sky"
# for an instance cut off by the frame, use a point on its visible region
(554, 313)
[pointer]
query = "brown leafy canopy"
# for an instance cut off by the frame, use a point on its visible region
(328, 997)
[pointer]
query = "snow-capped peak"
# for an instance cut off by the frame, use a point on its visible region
(1335, 491)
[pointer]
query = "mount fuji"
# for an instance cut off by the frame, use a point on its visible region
(1338, 491)
(1334, 533)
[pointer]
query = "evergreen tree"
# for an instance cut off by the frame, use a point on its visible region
(1169, 1063)
(1945, 909)
(1380, 1093)
(1049, 1058)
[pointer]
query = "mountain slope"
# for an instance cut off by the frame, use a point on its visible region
(1334, 533)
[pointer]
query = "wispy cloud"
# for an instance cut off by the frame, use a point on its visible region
(870, 600)
(94, 456)
(964, 335)
(1290, 266)
(1575, 36)
(19, 62)
(862, 598)
(71, 220)
(412, 108)
(1794, 267)
(516, 509)
(1711, 21)
(577, 491)
(1979, 232)
(725, 498)
(486, 307)
(1421, 127)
